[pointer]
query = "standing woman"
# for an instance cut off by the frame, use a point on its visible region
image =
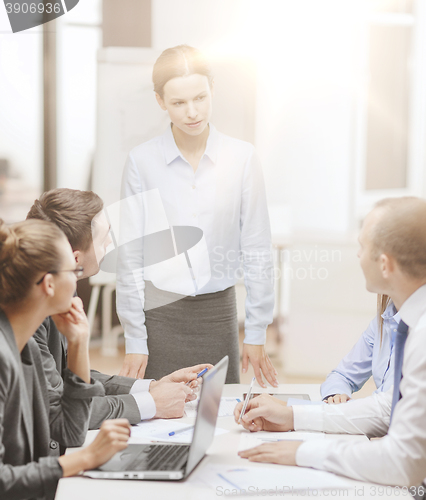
(38, 279)
(213, 182)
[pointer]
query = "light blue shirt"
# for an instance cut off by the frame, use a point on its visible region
(368, 357)
(226, 198)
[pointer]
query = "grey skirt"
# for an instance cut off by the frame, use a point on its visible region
(192, 330)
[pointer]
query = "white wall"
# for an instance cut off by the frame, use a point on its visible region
(305, 110)
(329, 305)
(306, 53)
(201, 23)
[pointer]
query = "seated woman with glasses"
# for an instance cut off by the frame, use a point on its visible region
(38, 279)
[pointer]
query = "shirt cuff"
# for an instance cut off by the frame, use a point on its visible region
(313, 453)
(141, 385)
(335, 387)
(136, 346)
(146, 405)
(255, 337)
(308, 418)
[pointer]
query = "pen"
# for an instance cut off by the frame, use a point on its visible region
(181, 430)
(202, 372)
(248, 396)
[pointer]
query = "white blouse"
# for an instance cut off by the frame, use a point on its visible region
(225, 197)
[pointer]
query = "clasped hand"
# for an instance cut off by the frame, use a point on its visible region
(73, 324)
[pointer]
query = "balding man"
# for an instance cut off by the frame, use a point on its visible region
(393, 258)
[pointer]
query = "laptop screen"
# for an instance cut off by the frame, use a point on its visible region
(208, 409)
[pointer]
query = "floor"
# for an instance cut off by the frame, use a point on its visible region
(112, 365)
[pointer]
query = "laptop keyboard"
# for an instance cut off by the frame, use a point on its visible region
(161, 457)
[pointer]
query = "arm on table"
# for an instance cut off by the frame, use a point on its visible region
(354, 369)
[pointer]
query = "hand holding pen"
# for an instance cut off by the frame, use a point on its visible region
(264, 413)
(200, 374)
(186, 375)
(172, 433)
(248, 396)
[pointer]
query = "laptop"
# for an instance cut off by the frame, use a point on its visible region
(171, 462)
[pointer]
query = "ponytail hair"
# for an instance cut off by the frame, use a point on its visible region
(27, 250)
(181, 60)
(382, 303)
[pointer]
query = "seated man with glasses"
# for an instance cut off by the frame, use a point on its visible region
(79, 214)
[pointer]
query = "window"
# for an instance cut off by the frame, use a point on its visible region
(391, 103)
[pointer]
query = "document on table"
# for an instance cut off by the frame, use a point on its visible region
(251, 439)
(226, 407)
(249, 480)
(147, 430)
(184, 436)
(158, 430)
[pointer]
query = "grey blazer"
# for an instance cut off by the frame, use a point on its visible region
(28, 419)
(117, 403)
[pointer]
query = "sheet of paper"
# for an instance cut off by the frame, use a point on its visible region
(297, 401)
(158, 430)
(251, 439)
(226, 407)
(183, 437)
(248, 480)
(147, 430)
(191, 408)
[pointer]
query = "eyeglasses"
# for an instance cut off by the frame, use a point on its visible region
(78, 271)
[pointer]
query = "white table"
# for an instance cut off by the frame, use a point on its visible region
(222, 451)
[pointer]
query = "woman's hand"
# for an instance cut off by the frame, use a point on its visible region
(112, 437)
(265, 413)
(134, 365)
(73, 324)
(337, 399)
(261, 363)
(75, 327)
(283, 452)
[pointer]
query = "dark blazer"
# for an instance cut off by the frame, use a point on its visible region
(117, 403)
(28, 419)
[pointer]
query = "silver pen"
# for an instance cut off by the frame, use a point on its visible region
(248, 396)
